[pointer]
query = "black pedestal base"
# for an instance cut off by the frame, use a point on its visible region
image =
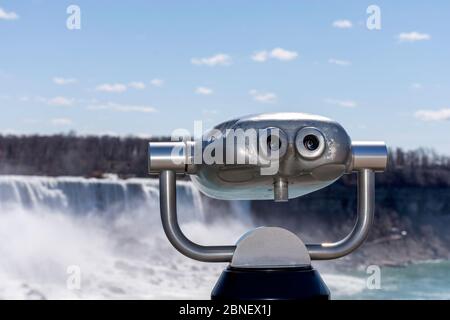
(270, 284)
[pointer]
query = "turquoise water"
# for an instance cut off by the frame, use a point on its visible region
(427, 280)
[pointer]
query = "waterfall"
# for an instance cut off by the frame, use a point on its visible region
(82, 196)
(109, 229)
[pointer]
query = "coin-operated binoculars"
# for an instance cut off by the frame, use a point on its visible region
(276, 156)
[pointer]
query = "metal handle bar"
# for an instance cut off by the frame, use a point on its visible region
(324, 251)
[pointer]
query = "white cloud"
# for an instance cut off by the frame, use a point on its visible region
(109, 133)
(260, 56)
(120, 87)
(210, 112)
(64, 81)
(142, 135)
(342, 24)
(41, 99)
(58, 101)
(4, 15)
(342, 63)
(413, 36)
(37, 99)
(263, 97)
(157, 82)
(137, 85)
(204, 91)
(219, 59)
(61, 122)
(276, 53)
(433, 115)
(31, 121)
(417, 86)
(283, 55)
(122, 108)
(342, 103)
(112, 88)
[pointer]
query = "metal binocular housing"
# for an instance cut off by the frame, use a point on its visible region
(276, 156)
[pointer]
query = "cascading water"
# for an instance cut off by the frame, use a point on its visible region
(81, 196)
(109, 231)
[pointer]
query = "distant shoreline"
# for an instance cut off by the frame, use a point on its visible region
(95, 156)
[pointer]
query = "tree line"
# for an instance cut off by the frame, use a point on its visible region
(93, 156)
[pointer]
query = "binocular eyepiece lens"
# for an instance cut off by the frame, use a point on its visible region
(311, 142)
(274, 143)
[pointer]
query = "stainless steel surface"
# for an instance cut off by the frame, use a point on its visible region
(168, 207)
(365, 215)
(281, 190)
(270, 247)
(305, 175)
(370, 155)
(324, 251)
(167, 156)
(176, 156)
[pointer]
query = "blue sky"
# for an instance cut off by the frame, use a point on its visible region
(149, 67)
